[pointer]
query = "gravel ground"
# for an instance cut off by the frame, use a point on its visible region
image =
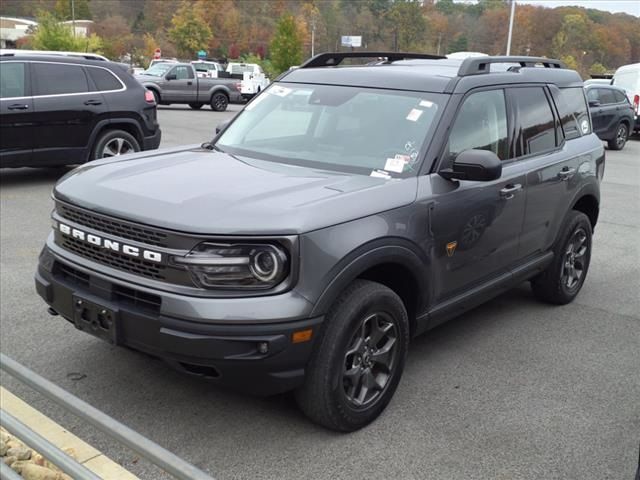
(512, 390)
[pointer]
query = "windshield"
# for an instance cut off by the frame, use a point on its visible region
(353, 129)
(158, 70)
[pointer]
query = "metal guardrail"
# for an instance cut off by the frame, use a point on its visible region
(146, 448)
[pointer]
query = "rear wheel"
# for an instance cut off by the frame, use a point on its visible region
(113, 143)
(156, 97)
(620, 140)
(219, 102)
(358, 359)
(195, 106)
(561, 282)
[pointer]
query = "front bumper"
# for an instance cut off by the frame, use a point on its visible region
(229, 354)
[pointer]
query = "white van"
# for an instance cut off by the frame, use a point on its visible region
(628, 77)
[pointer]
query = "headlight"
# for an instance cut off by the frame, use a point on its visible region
(250, 266)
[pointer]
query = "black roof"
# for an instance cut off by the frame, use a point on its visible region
(429, 73)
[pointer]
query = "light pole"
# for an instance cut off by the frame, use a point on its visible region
(513, 11)
(73, 17)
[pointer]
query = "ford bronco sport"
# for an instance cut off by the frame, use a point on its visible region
(345, 210)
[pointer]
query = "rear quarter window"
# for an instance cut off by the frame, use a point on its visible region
(103, 79)
(574, 113)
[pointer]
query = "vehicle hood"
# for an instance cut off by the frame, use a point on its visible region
(202, 191)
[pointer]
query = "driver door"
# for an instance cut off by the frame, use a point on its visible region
(477, 225)
(182, 88)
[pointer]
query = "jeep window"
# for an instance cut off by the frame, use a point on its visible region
(104, 80)
(574, 114)
(351, 129)
(57, 79)
(481, 124)
(12, 81)
(605, 96)
(536, 124)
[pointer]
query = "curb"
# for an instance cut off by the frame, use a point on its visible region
(84, 453)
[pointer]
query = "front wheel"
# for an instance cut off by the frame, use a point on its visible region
(358, 359)
(219, 102)
(113, 143)
(620, 140)
(561, 282)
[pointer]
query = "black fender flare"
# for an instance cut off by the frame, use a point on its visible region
(378, 252)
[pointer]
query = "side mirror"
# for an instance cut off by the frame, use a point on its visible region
(475, 165)
(171, 76)
(221, 126)
(594, 103)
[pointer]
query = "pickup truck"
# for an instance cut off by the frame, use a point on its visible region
(179, 83)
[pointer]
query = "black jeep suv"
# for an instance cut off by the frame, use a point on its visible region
(60, 110)
(342, 212)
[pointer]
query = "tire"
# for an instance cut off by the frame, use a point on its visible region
(344, 357)
(561, 282)
(113, 143)
(195, 106)
(219, 102)
(156, 97)
(620, 140)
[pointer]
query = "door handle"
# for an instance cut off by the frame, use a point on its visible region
(566, 173)
(18, 106)
(189, 83)
(510, 190)
(93, 102)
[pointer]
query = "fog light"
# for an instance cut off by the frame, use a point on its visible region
(263, 347)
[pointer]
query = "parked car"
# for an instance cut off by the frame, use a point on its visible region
(597, 81)
(611, 114)
(178, 83)
(342, 212)
(64, 109)
(628, 78)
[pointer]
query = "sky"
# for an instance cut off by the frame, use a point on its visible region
(631, 7)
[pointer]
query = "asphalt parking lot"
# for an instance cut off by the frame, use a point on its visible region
(512, 390)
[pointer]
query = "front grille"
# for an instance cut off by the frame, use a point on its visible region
(113, 227)
(115, 259)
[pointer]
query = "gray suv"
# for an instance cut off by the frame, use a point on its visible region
(345, 210)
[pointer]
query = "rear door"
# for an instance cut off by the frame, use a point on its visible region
(67, 110)
(16, 115)
(551, 161)
(607, 111)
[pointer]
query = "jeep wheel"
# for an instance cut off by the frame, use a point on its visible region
(358, 358)
(564, 277)
(219, 102)
(113, 143)
(195, 106)
(620, 140)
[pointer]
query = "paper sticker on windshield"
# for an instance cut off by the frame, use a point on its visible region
(279, 91)
(426, 103)
(395, 164)
(253, 103)
(584, 126)
(414, 114)
(380, 174)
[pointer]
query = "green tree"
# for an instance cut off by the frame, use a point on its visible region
(81, 9)
(190, 32)
(53, 35)
(286, 46)
(408, 25)
(597, 69)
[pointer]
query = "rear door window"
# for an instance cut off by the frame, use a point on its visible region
(574, 114)
(103, 79)
(57, 79)
(620, 97)
(182, 73)
(12, 80)
(536, 124)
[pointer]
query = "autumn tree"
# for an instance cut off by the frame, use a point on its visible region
(79, 10)
(116, 35)
(408, 25)
(286, 46)
(190, 32)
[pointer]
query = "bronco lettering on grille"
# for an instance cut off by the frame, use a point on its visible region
(112, 245)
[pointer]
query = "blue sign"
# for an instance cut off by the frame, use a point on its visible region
(202, 54)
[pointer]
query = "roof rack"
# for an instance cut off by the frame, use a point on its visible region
(480, 65)
(334, 59)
